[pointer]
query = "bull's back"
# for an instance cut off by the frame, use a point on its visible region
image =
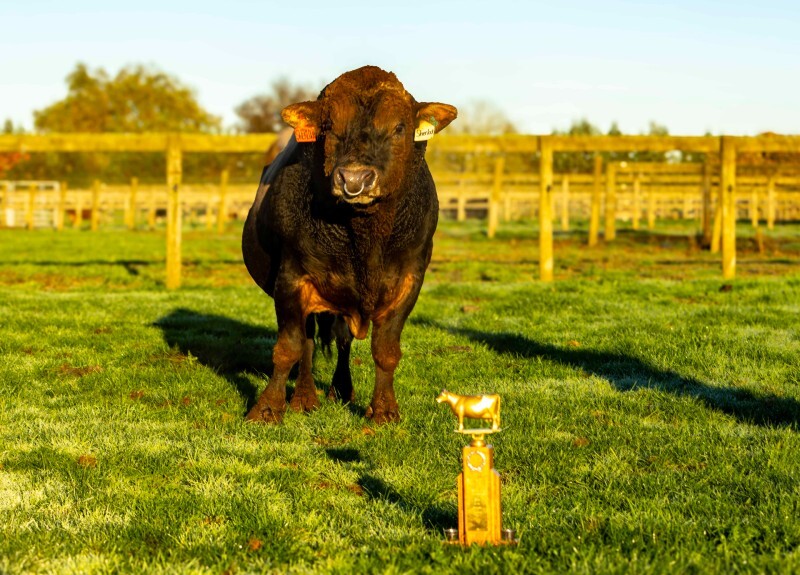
(256, 256)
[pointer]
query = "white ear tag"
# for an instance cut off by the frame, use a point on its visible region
(425, 131)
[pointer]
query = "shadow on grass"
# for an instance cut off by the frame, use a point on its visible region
(435, 518)
(230, 347)
(343, 454)
(130, 266)
(627, 373)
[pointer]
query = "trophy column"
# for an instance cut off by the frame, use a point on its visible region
(479, 513)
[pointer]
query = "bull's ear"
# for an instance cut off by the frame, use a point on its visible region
(435, 115)
(304, 118)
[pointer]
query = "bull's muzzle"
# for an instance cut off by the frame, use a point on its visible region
(352, 182)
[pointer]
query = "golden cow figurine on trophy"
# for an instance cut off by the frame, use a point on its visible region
(474, 407)
(479, 513)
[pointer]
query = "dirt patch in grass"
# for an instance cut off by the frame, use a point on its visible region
(75, 371)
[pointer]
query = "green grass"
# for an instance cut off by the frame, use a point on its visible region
(650, 418)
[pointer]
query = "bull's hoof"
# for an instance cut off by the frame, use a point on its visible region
(383, 415)
(304, 401)
(342, 387)
(266, 414)
(343, 395)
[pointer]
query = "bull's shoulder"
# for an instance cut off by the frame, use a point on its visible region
(418, 212)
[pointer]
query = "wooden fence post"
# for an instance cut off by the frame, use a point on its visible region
(545, 210)
(728, 202)
(61, 207)
(506, 208)
(130, 207)
(716, 233)
(637, 200)
(497, 190)
(771, 202)
(95, 222)
(174, 176)
(461, 206)
(78, 221)
(31, 206)
(151, 210)
(565, 203)
(610, 232)
(651, 206)
(210, 216)
(687, 205)
(753, 206)
(6, 197)
(222, 208)
(706, 211)
(594, 218)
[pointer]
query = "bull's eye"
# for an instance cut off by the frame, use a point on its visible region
(326, 126)
(399, 129)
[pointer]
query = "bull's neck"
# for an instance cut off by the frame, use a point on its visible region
(370, 234)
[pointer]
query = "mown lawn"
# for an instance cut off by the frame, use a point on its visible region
(650, 412)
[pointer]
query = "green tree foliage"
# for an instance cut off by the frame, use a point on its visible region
(262, 112)
(581, 127)
(137, 99)
(9, 159)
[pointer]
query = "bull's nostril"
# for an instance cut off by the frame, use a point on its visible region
(370, 178)
(355, 181)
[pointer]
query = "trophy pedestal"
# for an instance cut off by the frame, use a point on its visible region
(479, 512)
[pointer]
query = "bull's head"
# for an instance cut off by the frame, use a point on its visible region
(364, 124)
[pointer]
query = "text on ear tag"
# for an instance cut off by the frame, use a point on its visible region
(305, 134)
(425, 131)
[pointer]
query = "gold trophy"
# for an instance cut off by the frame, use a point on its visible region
(479, 513)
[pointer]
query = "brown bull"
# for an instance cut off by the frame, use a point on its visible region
(341, 232)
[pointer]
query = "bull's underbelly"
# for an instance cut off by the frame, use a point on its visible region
(357, 310)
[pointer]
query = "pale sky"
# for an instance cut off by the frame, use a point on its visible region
(729, 67)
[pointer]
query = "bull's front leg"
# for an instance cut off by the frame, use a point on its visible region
(386, 330)
(305, 392)
(288, 350)
(386, 353)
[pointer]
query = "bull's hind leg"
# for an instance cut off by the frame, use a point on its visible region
(342, 385)
(305, 392)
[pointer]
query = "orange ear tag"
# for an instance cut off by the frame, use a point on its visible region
(304, 133)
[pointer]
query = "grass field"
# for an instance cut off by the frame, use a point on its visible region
(650, 412)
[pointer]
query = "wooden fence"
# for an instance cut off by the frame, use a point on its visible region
(54, 205)
(711, 192)
(632, 192)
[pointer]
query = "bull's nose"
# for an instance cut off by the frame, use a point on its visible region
(356, 181)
